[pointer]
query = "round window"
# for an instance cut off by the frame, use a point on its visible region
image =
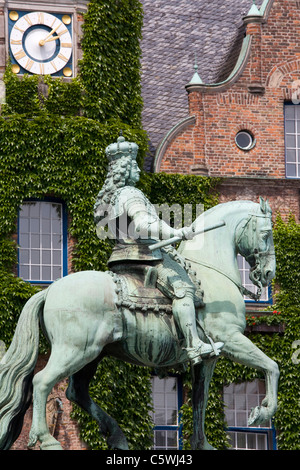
(245, 140)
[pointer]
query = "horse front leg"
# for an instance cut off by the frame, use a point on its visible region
(201, 377)
(241, 350)
(78, 392)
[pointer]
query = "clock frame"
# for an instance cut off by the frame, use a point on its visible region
(40, 43)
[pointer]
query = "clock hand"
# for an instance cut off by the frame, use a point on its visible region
(42, 41)
(53, 38)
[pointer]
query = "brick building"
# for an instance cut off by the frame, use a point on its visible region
(235, 117)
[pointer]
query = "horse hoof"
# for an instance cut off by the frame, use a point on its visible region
(258, 415)
(201, 445)
(254, 415)
(32, 440)
(118, 443)
(51, 446)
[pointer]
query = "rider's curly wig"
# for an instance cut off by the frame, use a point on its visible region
(117, 177)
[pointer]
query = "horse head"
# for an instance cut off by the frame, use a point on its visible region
(254, 241)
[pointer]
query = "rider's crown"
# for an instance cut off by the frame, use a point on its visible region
(121, 148)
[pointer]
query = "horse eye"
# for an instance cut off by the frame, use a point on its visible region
(265, 235)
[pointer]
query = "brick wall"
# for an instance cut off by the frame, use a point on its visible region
(282, 195)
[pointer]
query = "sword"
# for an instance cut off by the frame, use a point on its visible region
(169, 241)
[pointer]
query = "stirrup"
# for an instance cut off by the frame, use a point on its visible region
(216, 346)
(204, 349)
(195, 354)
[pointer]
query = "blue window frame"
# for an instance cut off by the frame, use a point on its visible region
(292, 140)
(42, 241)
(239, 399)
(167, 401)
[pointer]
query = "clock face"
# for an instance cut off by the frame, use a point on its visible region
(41, 43)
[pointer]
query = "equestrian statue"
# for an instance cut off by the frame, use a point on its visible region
(155, 306)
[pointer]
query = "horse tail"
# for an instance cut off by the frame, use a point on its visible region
(16, 371)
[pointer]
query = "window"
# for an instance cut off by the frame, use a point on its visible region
(292, 140)
(244, 269)
(239, 399)
(245, 140)
(166, 396)
(41, 239)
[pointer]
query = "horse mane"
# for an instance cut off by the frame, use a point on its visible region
(223, 207)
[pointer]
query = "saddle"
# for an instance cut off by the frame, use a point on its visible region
(136, 286)
(138, 289)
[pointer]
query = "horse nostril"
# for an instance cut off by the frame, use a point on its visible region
(269, 275)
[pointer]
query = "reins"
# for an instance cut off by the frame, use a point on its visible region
(241, 288)
(255, 270)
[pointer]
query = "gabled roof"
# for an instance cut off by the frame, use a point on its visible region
(174, 32)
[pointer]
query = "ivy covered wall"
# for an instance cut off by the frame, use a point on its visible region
(110, 68)
(52, 139)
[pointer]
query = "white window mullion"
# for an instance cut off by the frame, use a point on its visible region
(165, 414)
(292, 132)
(47, 266)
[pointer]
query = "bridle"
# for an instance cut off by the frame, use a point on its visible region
(254, 258)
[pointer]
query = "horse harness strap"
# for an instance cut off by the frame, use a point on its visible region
(256, 268)
(241, 288)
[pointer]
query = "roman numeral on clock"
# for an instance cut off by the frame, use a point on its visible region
(20, 54)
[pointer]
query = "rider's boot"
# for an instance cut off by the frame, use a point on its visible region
(184, 313)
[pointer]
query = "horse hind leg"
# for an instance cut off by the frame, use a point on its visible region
(78, 392)
(60, 365)
(43, 382)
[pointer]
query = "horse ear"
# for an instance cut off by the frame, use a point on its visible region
(262, 204)
(265, 206)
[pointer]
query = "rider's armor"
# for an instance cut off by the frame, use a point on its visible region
(135, 225)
